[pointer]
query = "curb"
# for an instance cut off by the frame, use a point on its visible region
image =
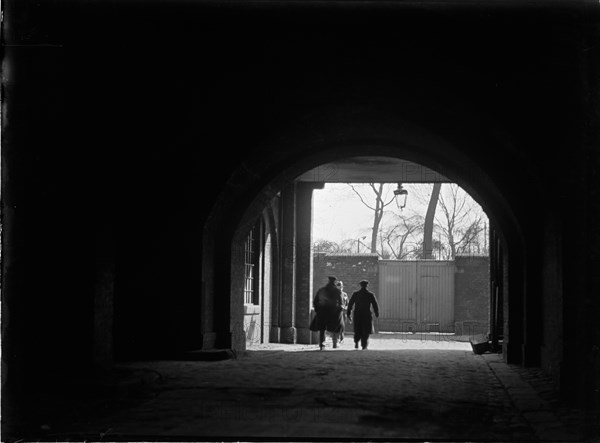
(536, 411)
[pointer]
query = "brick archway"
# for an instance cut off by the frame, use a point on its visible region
(342, 133)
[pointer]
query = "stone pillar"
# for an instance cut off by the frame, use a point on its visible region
(207, 289)
(274, 320)
(103, 296)
(514, 305)
(216, 287)
(496, 287)
(532, 310)
(288, 264)
(551, 352)
(304, 262)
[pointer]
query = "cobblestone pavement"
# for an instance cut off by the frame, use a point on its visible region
(398, 390)
(582, 423)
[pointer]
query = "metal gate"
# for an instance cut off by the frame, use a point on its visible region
(416, 296)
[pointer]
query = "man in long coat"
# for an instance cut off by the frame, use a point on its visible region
(329, 312)
(362, 301)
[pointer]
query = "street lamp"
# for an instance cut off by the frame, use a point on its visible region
(400, 195)
(358, 242)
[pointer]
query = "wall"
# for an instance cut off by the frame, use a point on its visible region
(472, 295)
(349, 268)
(257, 318)
(471, 284)
(252, 324)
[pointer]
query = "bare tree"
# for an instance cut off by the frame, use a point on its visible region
(397, 235)
(377, 207)
(348, 246)
(453, 224)
(429, 218)
(461, 221)
(326, 246)
(436, 245)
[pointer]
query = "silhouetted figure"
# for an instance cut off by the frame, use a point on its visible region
(340, 285)
(362, 301)
(327, 304)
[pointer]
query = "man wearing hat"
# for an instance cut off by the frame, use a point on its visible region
(329, 312)
(362, 301)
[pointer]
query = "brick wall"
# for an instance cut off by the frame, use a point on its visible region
(472, 294)
(350, 268)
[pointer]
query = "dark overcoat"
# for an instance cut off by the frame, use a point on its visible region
(362, 301)
(328, 308)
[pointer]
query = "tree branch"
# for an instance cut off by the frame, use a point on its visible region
(361, 198)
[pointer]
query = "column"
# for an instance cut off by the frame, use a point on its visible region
(288, 264)
(304, 261)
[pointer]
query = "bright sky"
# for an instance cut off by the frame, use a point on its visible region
(338, 213)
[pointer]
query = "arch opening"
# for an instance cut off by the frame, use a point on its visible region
(278, 200)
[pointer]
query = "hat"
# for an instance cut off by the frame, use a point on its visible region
(364, 282)
(332, 278)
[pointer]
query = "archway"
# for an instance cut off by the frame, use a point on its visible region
(334, 134)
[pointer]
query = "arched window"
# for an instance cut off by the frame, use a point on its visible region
(252, 265)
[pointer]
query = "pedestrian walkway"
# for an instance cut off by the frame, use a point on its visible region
(398, 390)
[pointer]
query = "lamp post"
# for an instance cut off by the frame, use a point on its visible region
(358, 244)
(400, 194)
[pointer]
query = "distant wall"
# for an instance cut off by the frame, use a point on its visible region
(472, 295)
(349, 268)
(471, 284)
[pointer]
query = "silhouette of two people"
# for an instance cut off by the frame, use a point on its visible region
(328, 305)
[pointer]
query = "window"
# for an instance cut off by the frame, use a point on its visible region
(249, 273)
(254, 264)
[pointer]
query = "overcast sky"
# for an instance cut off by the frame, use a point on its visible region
(338, 213)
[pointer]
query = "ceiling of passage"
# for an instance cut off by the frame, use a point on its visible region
(374, 169)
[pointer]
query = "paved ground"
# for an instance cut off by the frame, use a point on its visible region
(400, 389)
